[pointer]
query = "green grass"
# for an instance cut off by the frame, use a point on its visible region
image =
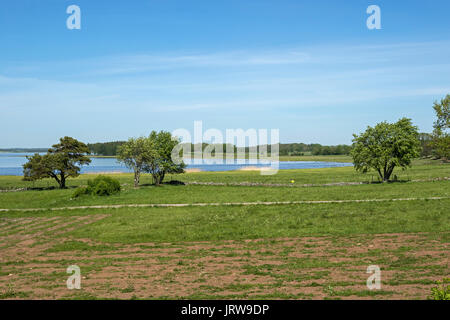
(222, 194)
(139, 225)
(165, 236)
(147, 193)
(78, 245)
(422, 169)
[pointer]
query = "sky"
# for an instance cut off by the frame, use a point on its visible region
(311, 69)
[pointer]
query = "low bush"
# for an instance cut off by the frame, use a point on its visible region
(441, 291)
(79, 192)
(100, 186)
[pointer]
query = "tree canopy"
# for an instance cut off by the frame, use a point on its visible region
(386, 146)
(63, 160)
(134, 154)
(160, 162)
(151, 154)
(441, 136)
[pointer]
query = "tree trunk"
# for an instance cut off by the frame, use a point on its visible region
(389, 173)
(155, 178)
(62, 182)
(380, 174)
(137, 176)
(158, 178)
(57, 179)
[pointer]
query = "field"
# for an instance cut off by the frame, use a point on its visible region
(300, 234)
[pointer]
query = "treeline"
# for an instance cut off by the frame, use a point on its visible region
(24, 150)
(285, 149)
(292, 149)
(426, 142)
(105, 148)
(430, 146)
(300, 149)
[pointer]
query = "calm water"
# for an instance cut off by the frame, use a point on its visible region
(11, 164)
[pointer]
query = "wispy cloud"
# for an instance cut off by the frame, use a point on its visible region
(319, 57)
(294, 82)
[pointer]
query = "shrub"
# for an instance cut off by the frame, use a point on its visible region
(103, 186)
(80, 191)
(100, 186)
(442, 291)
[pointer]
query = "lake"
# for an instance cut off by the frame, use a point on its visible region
(11, 164)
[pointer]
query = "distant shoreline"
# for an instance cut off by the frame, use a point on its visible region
(318, 158)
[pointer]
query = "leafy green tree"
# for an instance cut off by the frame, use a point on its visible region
(60, 162)
(441, 136)
(134, 154)
(442, 110)
(151, 154)
(160, 162)
(385, 147)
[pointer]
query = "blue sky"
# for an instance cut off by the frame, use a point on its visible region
(312, 69)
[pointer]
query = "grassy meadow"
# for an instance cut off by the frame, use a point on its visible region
(231, 246)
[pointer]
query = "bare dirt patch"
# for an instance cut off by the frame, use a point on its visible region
(36, 251)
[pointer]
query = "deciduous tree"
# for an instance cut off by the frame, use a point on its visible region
(441, 136)
(135, 153)
(385, 147)
(160, 163)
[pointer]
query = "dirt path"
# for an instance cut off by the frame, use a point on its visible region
(266, 203)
